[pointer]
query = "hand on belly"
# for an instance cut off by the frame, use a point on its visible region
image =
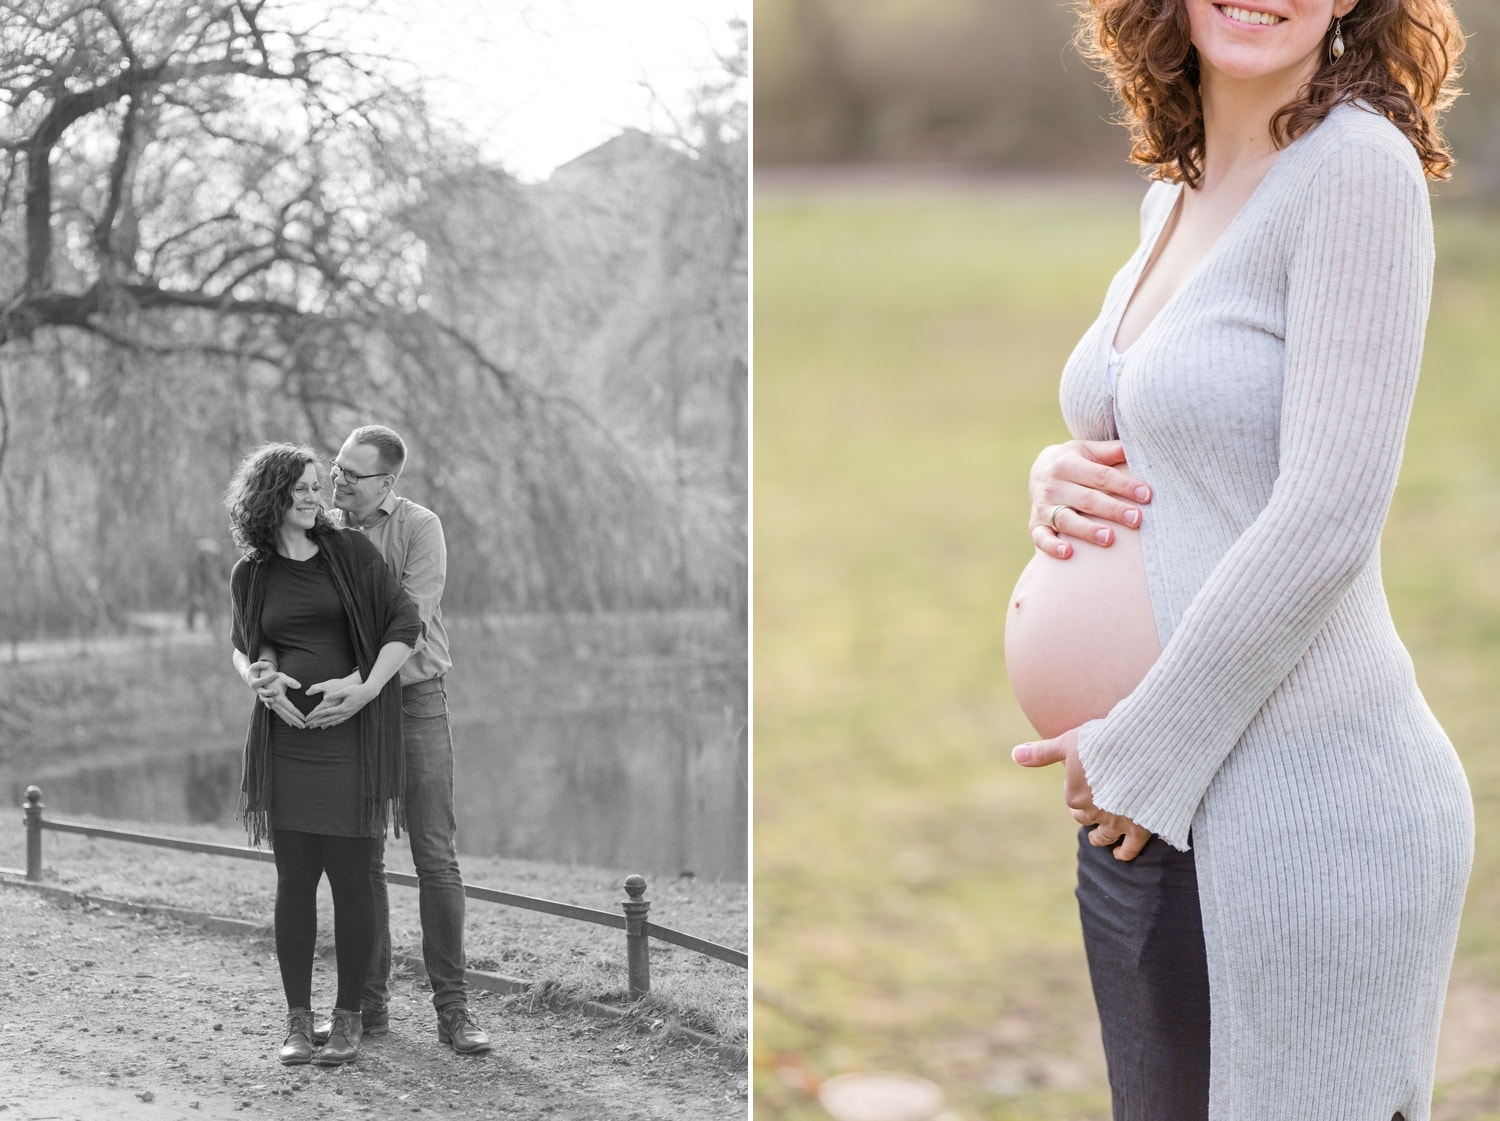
(1080, 633)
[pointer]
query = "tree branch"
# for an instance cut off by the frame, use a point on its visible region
(119, 184)
(81, 309)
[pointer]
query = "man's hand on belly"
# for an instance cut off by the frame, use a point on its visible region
(342, 698)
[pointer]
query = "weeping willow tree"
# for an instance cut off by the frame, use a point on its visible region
(211, 235)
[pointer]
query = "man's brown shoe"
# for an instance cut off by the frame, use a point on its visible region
(298, 1047)
(458, 1028)
(343, 1040)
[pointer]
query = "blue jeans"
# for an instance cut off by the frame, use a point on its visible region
(431, 827)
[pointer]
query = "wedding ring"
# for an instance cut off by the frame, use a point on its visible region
(1106, 842)
(1052, 518)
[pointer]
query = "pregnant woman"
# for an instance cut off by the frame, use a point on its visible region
(315, 606)
(1272, 938)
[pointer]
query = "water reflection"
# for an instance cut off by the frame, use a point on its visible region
(650, 789)
(611, 740)
(618, 788)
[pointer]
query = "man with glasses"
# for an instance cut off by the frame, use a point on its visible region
(410, 539)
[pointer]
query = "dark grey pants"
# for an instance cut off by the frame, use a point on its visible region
(1143, 933)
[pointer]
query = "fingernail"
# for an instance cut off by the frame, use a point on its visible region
(1143, 494)
(1021, 754)
(1132, 518)
(1101, 536)
(1063, 550)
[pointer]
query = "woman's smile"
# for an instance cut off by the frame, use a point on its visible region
(1248, 16)
(1280, 40)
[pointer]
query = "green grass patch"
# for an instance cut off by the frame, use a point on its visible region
(913, 889)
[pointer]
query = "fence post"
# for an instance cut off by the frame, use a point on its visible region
(33, 819)
(637, 944)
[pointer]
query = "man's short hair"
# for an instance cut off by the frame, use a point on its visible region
(390, 448)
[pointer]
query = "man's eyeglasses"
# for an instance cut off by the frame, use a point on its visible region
(354, 479)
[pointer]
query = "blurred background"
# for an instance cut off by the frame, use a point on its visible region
(993, 86)
(939, 202)
(516, 233)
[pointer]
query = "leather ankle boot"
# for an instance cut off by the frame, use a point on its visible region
(458, 1028)
(298, 1047)
(343, 1040)
(375, 1021)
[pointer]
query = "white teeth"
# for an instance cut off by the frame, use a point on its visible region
(1245, 15)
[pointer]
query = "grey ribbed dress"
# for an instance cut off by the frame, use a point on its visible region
(1282, 727)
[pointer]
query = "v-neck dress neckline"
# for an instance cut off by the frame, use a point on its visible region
(1149, 245)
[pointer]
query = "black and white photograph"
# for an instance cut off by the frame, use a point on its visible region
(374, 530)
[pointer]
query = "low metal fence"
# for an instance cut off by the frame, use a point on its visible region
(639, 930)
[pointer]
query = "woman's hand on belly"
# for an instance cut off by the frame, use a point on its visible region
(1079, 795)
(1076, 482)
(270, 685)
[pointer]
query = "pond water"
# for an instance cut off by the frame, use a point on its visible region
(637, 763)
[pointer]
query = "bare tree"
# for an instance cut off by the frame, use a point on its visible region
(170, 154)
(215, 229)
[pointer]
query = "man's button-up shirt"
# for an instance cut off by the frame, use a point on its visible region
(410, 538)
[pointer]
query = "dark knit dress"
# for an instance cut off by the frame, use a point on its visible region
(311, 637)
(314, 771)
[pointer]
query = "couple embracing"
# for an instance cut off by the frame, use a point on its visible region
(338, 630)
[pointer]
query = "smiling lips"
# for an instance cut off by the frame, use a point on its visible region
(1245, 15)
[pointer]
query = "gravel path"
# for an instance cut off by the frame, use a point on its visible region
(106, 1015)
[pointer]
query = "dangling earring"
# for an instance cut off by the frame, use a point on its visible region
(1336, 47)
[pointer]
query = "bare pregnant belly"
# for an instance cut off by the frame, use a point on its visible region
(1079, 633)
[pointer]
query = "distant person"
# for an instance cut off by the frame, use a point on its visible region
(315, 603)
(1277, 832)
(205, 584)
(410, 538)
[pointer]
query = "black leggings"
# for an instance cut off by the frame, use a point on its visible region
(301, 860)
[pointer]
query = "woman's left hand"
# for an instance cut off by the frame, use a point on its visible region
(342, 698)
(1087, 480)
(270, 686)
(1109, 829)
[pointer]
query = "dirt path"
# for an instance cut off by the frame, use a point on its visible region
(105, 1015)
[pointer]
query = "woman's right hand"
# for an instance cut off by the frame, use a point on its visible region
(270, 685)
(1086, 478)
(1110, 830)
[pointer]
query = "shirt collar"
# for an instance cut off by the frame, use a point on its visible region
(386, 508)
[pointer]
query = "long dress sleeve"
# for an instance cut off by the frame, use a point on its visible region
(1359, 282)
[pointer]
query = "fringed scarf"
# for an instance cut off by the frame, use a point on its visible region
(378, 611)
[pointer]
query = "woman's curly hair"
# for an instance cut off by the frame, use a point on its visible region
(260, 494)
(1400, 58)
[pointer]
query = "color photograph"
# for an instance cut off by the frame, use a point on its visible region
(1182, 825)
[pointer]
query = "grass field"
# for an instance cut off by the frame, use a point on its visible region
(913, 889)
